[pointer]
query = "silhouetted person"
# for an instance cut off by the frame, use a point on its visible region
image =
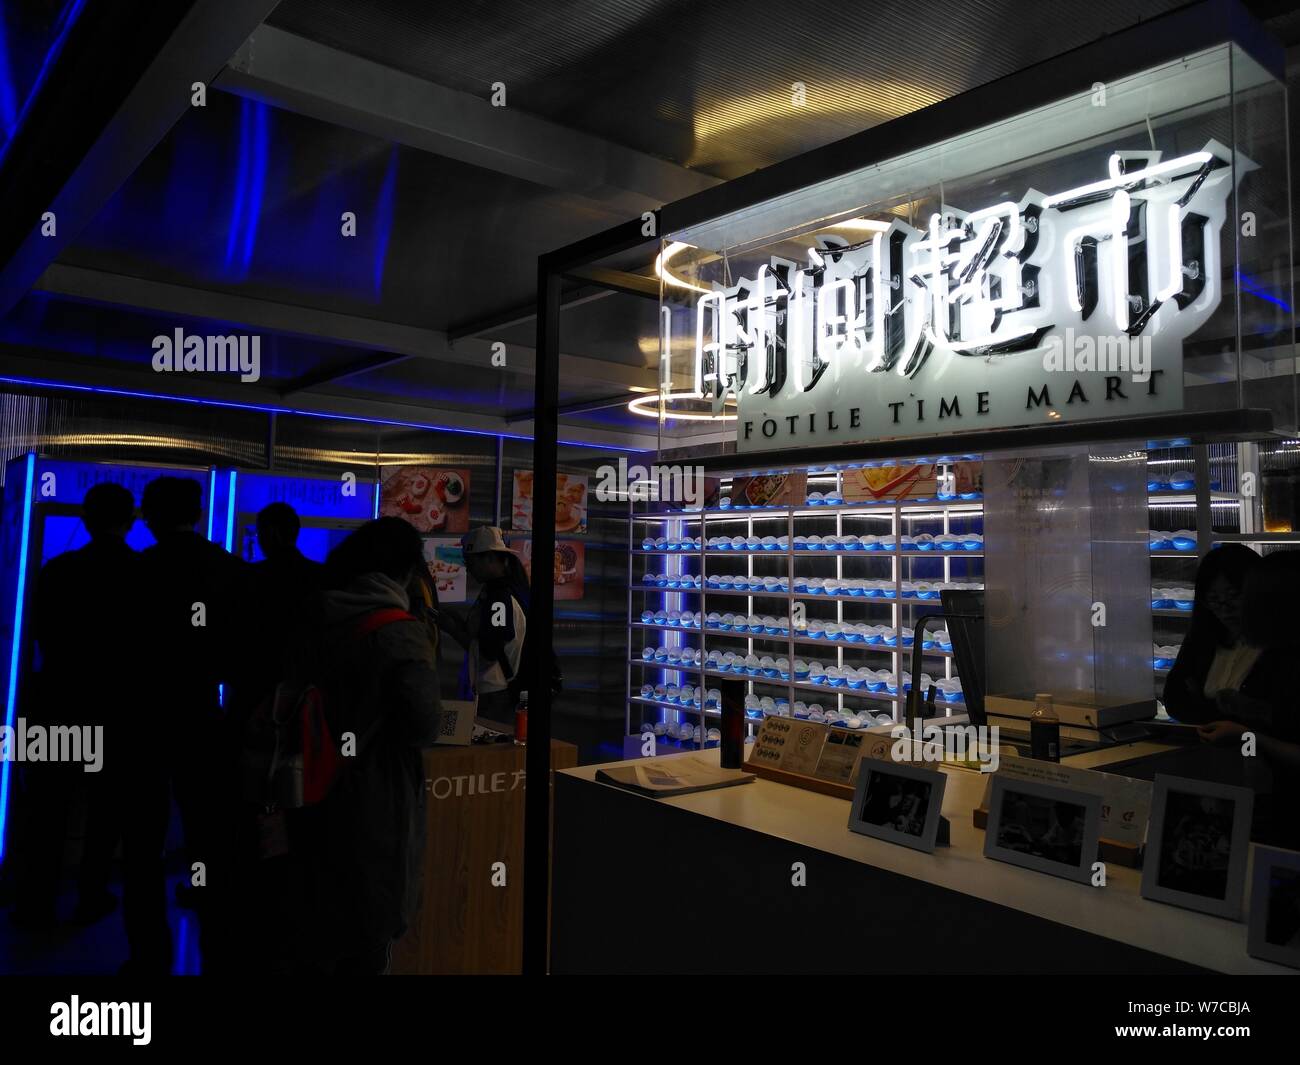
(84, 622)
(359, 851)
(190, 652)
(281, 594)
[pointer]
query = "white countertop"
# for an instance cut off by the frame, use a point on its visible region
(1116, 911)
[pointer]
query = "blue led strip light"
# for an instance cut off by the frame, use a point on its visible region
(32, 382)
(11, 702)
(212, 499)
(230, 546)
(230, 513)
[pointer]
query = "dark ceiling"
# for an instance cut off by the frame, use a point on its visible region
(708, 84)
(234, 215)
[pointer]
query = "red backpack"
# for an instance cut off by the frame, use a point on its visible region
(291, 757)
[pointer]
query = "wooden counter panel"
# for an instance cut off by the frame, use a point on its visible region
(466, 924)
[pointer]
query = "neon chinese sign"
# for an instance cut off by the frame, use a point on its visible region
(974, 320)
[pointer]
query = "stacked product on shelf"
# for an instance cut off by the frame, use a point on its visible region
(812, 605)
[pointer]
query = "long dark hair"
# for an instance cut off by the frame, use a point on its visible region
(1235, 562)
(1269, 602)
(386, 545)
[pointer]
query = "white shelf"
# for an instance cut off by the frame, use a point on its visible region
(803, 510)
(895, 517)
(804, 597)
(777, 682)
(803, 641)
(956, 552)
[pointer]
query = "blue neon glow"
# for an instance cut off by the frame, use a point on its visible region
(230, 514)
(8, 98)
(383, 223)
(250, 184)
(11, 700)
(1249, 284)
(212, 499)
(67, 18)
(32, 382)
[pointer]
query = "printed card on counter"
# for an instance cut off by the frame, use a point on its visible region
(1125, 802)
(808, 748)
(680, 776)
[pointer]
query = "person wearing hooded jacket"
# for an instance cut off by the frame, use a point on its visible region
(361, 848)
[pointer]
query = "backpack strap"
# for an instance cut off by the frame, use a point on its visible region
(378, 619)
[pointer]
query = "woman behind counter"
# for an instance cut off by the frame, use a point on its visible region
(1266, 706)
(1216, 657)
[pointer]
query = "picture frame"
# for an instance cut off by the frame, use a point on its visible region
(1197, 844)
(1043, 827)
(1274, 930)
(898, 803)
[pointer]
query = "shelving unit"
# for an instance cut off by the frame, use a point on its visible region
(899, 519)
(1217, 512)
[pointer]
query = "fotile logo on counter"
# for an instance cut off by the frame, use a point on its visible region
(180, 353)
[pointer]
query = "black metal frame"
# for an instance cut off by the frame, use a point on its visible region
(1165, 39)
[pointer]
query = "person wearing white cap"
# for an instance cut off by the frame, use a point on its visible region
(493, 633)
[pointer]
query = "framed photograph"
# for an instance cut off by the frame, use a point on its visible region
(1196, 845)
(897, 803)
(1043, 827)
(1275, 907)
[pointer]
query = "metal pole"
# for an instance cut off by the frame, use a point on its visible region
(537, 763)
(496, 499)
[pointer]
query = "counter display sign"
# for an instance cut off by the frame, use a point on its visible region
(1125, 802)
(433, 500)
(1063, 306)
(570, 502)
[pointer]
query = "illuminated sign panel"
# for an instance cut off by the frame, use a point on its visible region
(1063, 306)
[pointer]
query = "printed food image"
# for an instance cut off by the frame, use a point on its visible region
(570, 502)
(446, 562)
(763, 490)
(566, 563)
(432, 500)
(883, 478)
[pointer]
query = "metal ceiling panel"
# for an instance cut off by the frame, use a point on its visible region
(710, 85)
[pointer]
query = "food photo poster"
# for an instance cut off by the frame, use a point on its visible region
(431, 498)
(570, 502)
(570, 565)
(446, 561)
